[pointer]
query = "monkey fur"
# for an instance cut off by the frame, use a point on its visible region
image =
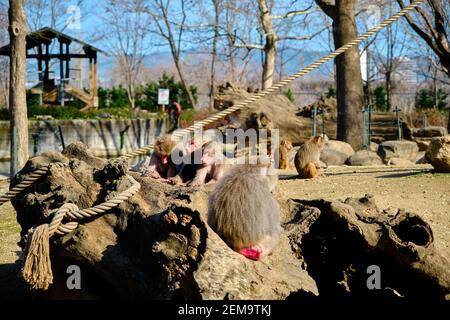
(285, 147)
(243, 211)
(161, 164)
(307, 160)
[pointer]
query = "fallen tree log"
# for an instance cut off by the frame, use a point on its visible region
(157, 245)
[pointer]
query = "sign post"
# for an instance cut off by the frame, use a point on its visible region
(163, 98)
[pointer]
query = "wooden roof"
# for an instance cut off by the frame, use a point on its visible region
(46, 36)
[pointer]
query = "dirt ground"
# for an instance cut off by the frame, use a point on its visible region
(415, 189)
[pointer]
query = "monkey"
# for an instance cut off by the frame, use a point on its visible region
(187, 171)
(213, 164)
(285, 147)
(243, 211)
(307, 160)
(161, 164)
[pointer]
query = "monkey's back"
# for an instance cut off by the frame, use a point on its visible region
(242, 210)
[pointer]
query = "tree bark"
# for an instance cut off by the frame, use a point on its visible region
(175, 53)
(214, 54)
(269, 46)
(349, 85)
(434, 33)
(17, 93)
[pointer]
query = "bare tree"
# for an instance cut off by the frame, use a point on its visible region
(159, 11)
(214, 53)
(388, 56)
(432, 25)
(348, 70)
(17, 93)
(129, 23)
(4, 63)
(270, 37)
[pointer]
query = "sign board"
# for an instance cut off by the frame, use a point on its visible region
(163, 96)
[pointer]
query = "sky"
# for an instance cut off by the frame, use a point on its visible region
(87, 23)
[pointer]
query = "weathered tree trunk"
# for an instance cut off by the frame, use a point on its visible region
(349, 91)
(214, 55)
(17, 93)
(269, 46)
(160, 244)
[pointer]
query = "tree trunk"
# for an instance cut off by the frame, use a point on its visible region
(388, 90)
(17, 93)
(269, 46)
(348, 74)
(214, 54)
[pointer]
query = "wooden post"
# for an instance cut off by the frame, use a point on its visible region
(67, 58)
(47, 52)
(40, 62)
(61, 72)
(95, 83)
(17, 93)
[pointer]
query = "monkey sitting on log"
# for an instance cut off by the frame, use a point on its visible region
(213, 164)
(243, 211)
(161, 164)
(307, 160)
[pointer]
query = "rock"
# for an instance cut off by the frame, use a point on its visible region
(329, 104)
(423, 143)
(333, 157)
(421, 158)
(275, 107)
(373, 146)
(400, 162)
(407, 131)
(365, 158)
(398, 149)
(430, 132)
(438, 154)
(340, 146)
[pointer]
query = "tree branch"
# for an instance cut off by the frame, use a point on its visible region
(327, 7)
(249, 46)
(296, 13)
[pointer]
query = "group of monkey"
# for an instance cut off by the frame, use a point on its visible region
(241, 208)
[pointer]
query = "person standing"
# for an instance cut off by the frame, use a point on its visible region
(174, 113)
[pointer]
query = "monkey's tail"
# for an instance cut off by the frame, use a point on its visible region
(309, 171)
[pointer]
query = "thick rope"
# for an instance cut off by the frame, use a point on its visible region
(282, 83)
(200, 124)
(28, 181)
(37, 271)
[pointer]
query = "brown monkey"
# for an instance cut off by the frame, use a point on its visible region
(307, 160)
(285, 147)
(213, 164)
(161, 164)
(243, 211)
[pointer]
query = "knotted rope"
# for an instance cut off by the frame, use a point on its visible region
(37, 270)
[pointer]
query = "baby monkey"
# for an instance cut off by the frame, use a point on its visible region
(243, 211)
(161, 164)
(213, 164)
(307, 160)
(283, 158)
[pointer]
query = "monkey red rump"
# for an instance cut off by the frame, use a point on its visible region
(253, 253)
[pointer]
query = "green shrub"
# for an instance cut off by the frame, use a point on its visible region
(425, 99)
(379, 99)
(289, 94)
(331, 92)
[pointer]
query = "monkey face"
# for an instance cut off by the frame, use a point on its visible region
(208, 158)
(287, 144)
(319, 141)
